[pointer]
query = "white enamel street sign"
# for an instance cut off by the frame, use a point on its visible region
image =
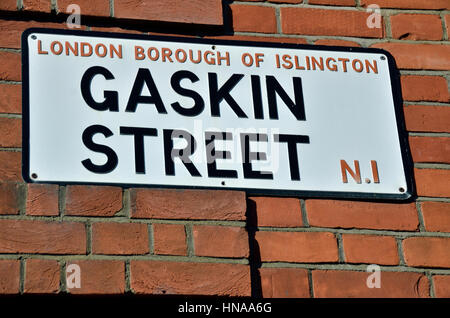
(133, 110)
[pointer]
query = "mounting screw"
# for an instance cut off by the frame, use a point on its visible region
(34, 175)
(34, 37)
(367, 180)
(401, 189)
(223, 182)
(382, 57)
(213, 47)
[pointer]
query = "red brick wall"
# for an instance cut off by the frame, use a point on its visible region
(222, 242)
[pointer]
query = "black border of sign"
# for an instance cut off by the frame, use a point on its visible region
(396, 92)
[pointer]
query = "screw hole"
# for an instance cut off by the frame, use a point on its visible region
(34, 37)
(367, 180)
(34, 175)
(213, 47)
(223, 182)
(382, 57)
(401, 189)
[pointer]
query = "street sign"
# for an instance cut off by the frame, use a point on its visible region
(278, 119)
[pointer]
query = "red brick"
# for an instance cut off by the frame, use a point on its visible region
(220, 241)
(88, 8)
(41, 276)
(277, 212)
(368, 215)
(39, 237)
(9, 276)
(10, 166)
(418, 56)
(430, 149)
(306, 21)
(194, 11)
(37, 5)
(293, 40)
(427, 251)
(333, 2)
(119, 30)
(93, 200)
(188, 204)
(441, 286)
(335, 42)
(10, 69)
(158, 277)
(284, 283)
(425, 88)
(436, 216)
(120, 238)
(169, 239)
(11, 101)
(42, 199)
(370, 249)
(11, 31)
(416, 27)
(11, 129)
(100, 277)
(410, 4)
(301, 247)
(432, 182)
(9, 198)
(427, 118)
(8, 5)
(349, 284)
(248, 18)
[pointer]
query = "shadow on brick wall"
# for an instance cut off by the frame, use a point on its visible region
(254, 253)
